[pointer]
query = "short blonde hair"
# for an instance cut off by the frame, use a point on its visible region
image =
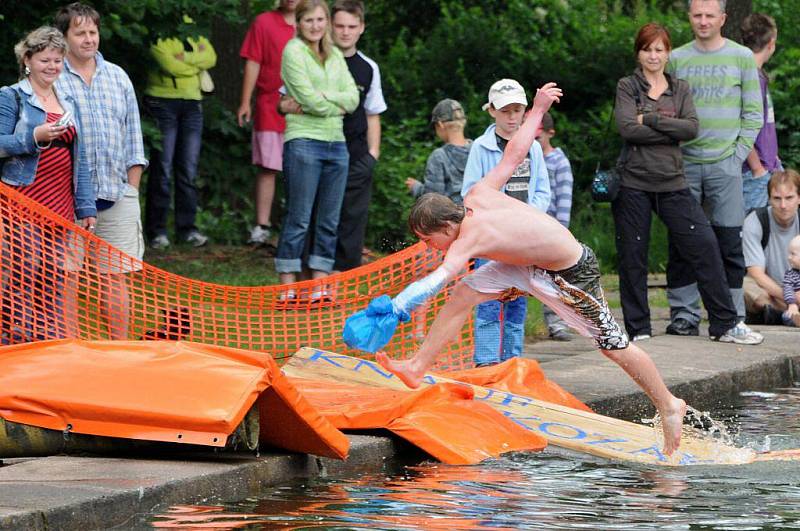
(34, 42)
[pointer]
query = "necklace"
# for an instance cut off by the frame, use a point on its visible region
(42, 97)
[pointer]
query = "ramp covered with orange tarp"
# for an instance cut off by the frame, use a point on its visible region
(443, 420)
(158, 391)
(180, 392)
(446, 420)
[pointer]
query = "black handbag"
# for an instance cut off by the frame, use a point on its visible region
(605, 184)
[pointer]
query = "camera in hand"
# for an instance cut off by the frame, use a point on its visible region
(65, 120)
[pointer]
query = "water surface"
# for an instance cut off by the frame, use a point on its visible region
(551, 490)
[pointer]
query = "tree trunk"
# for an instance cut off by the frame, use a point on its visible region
(737, 11)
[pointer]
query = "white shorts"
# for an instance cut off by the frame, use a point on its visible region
(587, 314)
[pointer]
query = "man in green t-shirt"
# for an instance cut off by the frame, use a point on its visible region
(726, 92)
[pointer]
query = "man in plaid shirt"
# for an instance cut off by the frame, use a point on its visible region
(113, 140)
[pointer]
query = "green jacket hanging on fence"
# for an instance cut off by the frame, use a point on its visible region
(176, 74)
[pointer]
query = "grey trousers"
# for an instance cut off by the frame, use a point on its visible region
(718, 188)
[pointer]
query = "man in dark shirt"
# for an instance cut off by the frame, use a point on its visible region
(362, 131)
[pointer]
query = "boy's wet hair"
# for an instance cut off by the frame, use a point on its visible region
(431, 213)
(757, 30)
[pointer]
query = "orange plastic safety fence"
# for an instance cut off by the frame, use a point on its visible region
(60, 281)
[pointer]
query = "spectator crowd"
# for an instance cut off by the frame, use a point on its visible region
(700, 151)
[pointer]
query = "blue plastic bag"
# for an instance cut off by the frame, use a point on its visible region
(372, 328)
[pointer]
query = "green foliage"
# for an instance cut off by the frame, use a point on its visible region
(127, 27)
(225, 177)
(784, 72)
(404, 151)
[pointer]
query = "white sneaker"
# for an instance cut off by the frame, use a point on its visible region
(196, 239)
(741, 334)
(258, 235)
(641, 337)
(160, 242)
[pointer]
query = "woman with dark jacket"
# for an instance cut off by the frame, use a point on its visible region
(654, 113)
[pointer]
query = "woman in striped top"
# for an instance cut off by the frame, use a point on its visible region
(40, 156)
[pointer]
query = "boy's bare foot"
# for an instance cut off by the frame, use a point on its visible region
(402, 369)
(672, 424)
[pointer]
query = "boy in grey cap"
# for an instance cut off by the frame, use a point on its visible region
(444, 171)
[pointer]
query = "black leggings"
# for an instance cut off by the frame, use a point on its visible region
(690, 233)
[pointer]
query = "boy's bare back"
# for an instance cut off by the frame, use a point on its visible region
(501, 228)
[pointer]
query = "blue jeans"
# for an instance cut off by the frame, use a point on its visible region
(499, 328)
(316, 176)
(755, 190)
(181, 125)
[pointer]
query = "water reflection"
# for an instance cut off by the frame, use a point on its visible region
(543, 491)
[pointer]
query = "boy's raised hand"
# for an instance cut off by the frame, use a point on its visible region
(548, 94)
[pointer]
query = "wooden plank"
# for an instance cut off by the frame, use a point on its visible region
(562, 426)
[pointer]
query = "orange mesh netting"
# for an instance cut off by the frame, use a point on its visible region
(56, 278)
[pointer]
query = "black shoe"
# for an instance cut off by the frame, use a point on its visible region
(771, 316)
(756, 318)
(682, 327)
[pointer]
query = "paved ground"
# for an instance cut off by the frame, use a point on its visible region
(65, 492)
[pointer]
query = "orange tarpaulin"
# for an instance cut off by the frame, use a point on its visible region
(519, 376)
(158, 391)
(443, 420)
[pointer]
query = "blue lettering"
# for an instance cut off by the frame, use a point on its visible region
(579, 434)
(652, 450)
(489, 393)
(322, 355)
(375, 368)
(606, 441)
(521, 421)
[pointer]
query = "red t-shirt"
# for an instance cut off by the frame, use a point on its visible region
(264, 44)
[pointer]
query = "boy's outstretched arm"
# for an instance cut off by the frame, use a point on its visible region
(519, 146)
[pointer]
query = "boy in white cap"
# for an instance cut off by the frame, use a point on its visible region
(500, 326)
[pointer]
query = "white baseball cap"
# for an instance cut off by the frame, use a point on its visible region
(505, 92)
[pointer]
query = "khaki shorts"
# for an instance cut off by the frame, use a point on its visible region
(754, 292)
(121, 227)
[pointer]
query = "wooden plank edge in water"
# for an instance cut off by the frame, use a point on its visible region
(562, 426)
